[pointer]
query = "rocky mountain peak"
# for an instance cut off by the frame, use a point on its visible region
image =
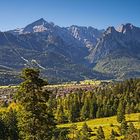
(86, 35)
(110, 29)
(122, 41)
(38, 26)
(40, 21)
(123, 28)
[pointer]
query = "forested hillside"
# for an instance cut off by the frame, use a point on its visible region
(120, 98)
(34, 111)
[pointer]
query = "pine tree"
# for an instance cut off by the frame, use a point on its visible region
(12, 125)
(100, 134)
(120, 112)
(131, 129)
(124, 127)
(76, 104)
(112, 136)
(35, 121)
(3, 130)
(63, 135)
(85, 111)
(71, 117)
(84, 133)
(78, 135)
(86, 130)
(99, 112)
(73, 129)
(60, 116)
(93, 108)
(74, 108)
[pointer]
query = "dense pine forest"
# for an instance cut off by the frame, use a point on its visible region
(114, 99)
(36, 113)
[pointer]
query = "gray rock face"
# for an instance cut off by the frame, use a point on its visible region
(122, 41)
(87, 35)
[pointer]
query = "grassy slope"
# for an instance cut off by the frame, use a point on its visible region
(121, 67)
(106, 124)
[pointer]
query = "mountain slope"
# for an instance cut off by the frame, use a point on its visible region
(53, 49)
(73, 53)
(118, 52)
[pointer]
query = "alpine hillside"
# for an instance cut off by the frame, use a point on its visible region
(118, 52)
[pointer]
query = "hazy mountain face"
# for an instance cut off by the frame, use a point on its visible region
(73, 52)
(123, 41)
(118, 51)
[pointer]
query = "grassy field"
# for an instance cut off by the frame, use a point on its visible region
(108, 124)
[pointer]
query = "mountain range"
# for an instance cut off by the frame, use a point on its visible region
(70, 53)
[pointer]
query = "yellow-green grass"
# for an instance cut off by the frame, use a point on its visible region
(2, 87)
(108, 124)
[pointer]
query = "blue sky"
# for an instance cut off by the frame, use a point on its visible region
(96, 13)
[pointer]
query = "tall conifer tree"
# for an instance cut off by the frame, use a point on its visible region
(35, 121)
